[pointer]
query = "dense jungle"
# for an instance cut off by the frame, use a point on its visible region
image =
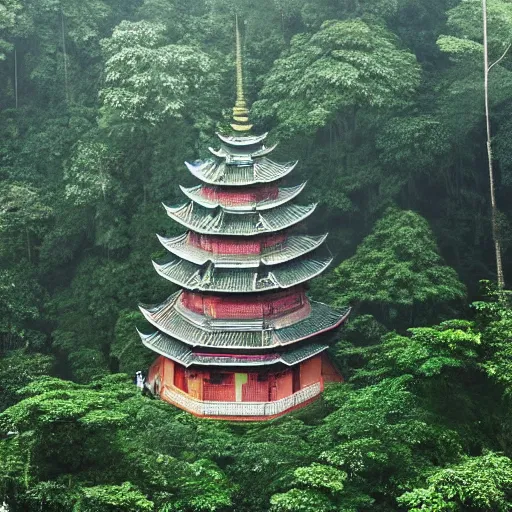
(382, 102)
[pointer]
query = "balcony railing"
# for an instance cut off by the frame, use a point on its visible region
(209, 408)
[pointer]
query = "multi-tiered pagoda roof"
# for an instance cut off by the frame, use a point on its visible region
(242, 339)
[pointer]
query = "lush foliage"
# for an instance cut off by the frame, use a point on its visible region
(381, 101)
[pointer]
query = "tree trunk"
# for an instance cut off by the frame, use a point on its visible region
(494, 210)
(29, 249)
(16, 76)
(66, 87)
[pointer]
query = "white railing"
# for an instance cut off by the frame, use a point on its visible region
(210, 408)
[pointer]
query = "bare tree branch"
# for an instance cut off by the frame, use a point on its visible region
(500, 59)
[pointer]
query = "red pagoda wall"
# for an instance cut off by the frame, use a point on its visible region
(282, 385)
(229, 307)
(233, 245)
(222, 386)
(310, 371)
(228, 197)
(329, 372)
(219, 387)
(255, 390)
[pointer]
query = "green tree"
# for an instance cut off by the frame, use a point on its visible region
(122, 498)
(150, 81)
(494, 317)
(64, 438)
(314, 477)
(22, 210)
(21, 301)
(8, 11)
(127, 349)
(397, 272)
(17, 369)
(377, 439)
(346, 65)
(477, 483)
(470, 42)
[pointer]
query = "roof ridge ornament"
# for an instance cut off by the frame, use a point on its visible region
(240, 110)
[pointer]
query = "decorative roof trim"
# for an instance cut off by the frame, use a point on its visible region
(239, 141)
(211, 222)
(240, 280)
(181, 353)
(238, 336)
(240, 110)
(286, 194)
(260, 171)
(180, 247)
(226, 151)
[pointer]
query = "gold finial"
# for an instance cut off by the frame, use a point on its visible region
(240, 110)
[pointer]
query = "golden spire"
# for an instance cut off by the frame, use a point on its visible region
(240, 110)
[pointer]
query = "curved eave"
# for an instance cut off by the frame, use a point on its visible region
(213, 222)
(286, 194)
(294, 247)
(249, 140)
(225, 152)
(240, 280)
(181, 353)
(236, 335)
(260, 171)
(263, 151)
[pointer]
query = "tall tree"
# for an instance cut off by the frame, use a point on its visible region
(469, 43)
(344, 66)
(494, 210)
(149, 81)
(397, 273)
(8, 11)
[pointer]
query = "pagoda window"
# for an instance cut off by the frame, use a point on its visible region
(286, 304)
(194, 384)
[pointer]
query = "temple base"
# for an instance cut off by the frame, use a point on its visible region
(241, 411)
(248, 395)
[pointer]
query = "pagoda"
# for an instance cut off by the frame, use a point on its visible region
(241, 340)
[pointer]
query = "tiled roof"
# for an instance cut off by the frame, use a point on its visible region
(240, 208)
(234, 154)
(241, 280)
(248, 140)
(285, 195)
(201, 331)
(219, 222)
(262, 170)
(293, 247)
(185, 355)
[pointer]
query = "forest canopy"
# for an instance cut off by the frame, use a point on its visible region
(382, 103)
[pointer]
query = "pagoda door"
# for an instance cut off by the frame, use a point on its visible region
(240, 380)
